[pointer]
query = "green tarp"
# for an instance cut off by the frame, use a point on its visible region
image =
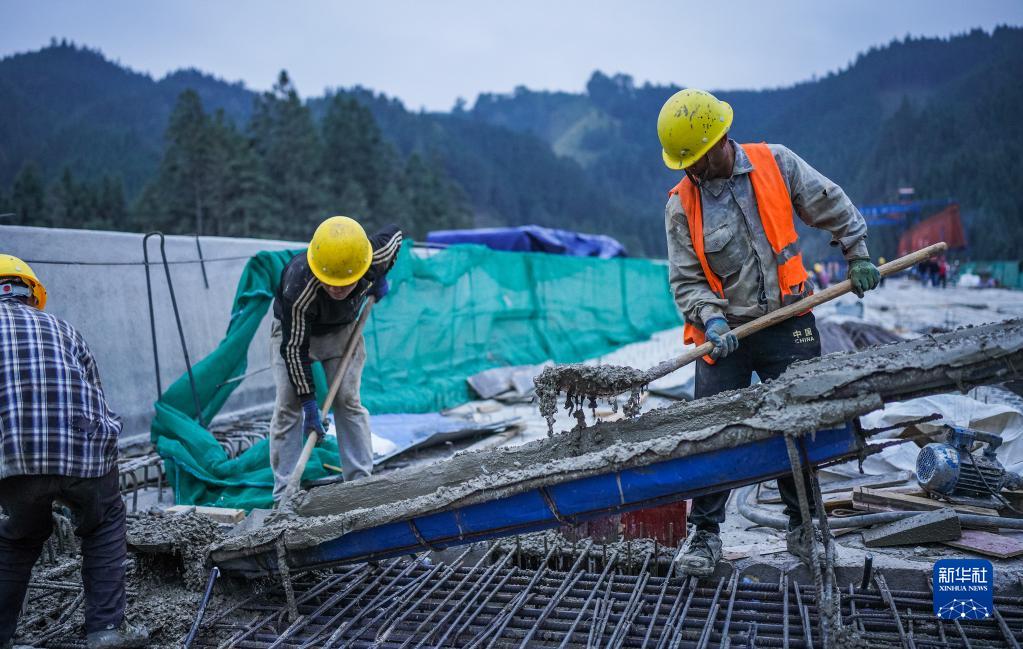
(449, 315)
(1006, 273)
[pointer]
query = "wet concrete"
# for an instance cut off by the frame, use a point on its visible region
(813, 395)
(583, 386)
(161, 592)
(187, 536)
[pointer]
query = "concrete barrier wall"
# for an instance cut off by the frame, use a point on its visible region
(108, 305)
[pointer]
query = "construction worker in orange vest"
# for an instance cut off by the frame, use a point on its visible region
(734, 255)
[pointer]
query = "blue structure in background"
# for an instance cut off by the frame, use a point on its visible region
(533, 238)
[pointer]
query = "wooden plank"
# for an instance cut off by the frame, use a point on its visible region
(877, 500)
(989, 544)
(927, 527)
(771, 495)
(229, 515)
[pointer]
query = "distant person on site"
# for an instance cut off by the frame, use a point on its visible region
(942, 272)
(58, 441)
(317, 303)
(821, 275)
(733, 255)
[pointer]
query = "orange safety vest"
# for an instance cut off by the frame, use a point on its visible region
(775, 207)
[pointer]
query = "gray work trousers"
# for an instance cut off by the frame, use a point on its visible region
(351, 419)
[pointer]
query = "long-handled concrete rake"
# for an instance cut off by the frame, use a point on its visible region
(584, 384)
(346, 359)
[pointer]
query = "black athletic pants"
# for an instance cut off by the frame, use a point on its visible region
(768, 353)
(99, 517)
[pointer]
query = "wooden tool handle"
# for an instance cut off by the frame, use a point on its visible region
(786, 312)
(346, 359)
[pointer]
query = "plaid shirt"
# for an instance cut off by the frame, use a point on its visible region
(53, 416)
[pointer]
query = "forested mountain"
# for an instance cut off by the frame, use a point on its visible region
(936, 114)
(87, 142)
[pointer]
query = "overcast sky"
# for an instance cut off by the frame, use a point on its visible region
(429, 52)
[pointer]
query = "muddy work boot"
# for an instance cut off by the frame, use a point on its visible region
(795, 541)
(700, 555)
(126, 636)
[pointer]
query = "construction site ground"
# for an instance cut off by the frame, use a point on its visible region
(165, 589)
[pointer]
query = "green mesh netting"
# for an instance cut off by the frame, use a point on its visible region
(448, 315)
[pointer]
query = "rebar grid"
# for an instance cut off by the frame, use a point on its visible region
(491, 602)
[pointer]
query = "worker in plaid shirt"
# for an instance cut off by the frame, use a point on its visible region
(58, 441)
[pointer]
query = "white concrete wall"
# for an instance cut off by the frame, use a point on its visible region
(108, 305)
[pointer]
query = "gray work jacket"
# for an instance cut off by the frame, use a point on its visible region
(736, 245)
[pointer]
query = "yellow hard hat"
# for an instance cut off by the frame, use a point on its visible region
(339, 253)
(690, 123)
(11, 266)
(817, 268)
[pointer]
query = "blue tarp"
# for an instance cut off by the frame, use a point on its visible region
(410, 431)
(534, 238)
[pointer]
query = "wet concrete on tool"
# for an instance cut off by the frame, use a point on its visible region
(583, 385)
(813, 395)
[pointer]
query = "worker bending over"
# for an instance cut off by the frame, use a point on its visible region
(734, 255)
(58, 441)
(317, 303)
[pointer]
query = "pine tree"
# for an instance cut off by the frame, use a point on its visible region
(28, 197)
(393, 207)
(62, 202)
(111, 208)
(354, 149)
(434, 202)
(353, 202)
(187, 164)
(287, 143)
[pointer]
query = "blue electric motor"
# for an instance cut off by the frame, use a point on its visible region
(949, 470)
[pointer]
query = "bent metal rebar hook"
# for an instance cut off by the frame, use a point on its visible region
(177, 320)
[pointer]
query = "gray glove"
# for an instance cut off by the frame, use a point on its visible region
(725, 342)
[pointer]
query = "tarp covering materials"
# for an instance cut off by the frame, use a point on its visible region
(534, 238)
(448, 316)
(956, 410)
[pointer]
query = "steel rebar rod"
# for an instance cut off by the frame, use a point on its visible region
(882, 587)
(804, 616)
(1005, 629)
(556, 597)
(399, 608)
(344, 593)
(671, 623)
(734, 587)
(344, 626)
(608, 564)
(657, 606)
(708, 625)
(463, 606)
(625, 620)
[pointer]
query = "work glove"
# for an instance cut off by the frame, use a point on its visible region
(725, 342)
(379, 288)
(863, 275)
(311, 416)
